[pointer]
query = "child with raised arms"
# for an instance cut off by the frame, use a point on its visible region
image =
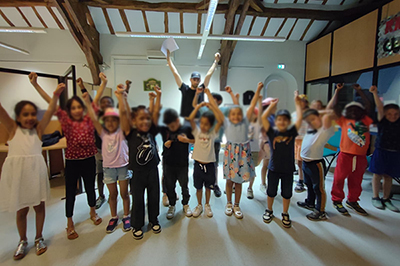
(24, 180)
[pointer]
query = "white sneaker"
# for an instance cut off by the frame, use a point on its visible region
(187, 211)
(208, 211)
(197, 211)
(165, 201)
(250, 194)
(263, 188)
(171, 212)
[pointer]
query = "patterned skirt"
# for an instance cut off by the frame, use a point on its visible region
(238, 164)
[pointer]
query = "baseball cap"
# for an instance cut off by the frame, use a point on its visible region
(354, 104)
(284, 112)
(267, 101)
(195, 75)
(111, 112)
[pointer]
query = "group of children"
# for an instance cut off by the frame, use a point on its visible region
(130, 155)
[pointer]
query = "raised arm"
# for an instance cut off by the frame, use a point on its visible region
(51, 109)
(260, 98)
(100, 91)
(127, 85)
(267, 113)
(213, 104)
(173, 69)
(366, 101)
(211, 70)
(254, 101)
(7, 121)
(157, 106)
(33, 79)
(333, 101)
(299, 112)
(219, 116)
(235, 99)
(152, 96)
(92, 114)
(327, 119)
(123, 112)
(193, 114)
(378, 102)
(196, 97)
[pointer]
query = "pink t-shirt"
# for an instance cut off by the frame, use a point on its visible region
(79, 135)
(114, 149)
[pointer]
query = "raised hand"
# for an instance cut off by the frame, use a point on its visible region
(152, 96)
(339, 86)
(86, 97)
(260, 85)
(120, 88)
(33, 78)
(217, 57)
(199, 90)
(157, 90)
(357, 87)
(103, 77)
(207, 91)
(297, 99)
(274, 102)
(202, 104)
(128, 84)
(79, 81)
(373, 89)
(228, 89)
(59, 89)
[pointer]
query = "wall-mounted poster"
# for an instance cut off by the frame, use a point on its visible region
(389, 36)
(148, 85)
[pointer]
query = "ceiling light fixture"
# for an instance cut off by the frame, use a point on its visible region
(13, 48)
(212, 7)
(22, 30)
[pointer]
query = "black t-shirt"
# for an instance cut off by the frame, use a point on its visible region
(178, 153)
(143, 153)
(282, 150)
(187, 99)
(388, 135)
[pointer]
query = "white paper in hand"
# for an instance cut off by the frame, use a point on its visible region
(169, 44)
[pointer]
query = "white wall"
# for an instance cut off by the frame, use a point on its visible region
(55, 51)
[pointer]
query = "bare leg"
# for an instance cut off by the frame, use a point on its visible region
(40, 216)
(270, 202)
(199, 194)
(100, 184)
(228, 189)
(387, 186)
(376, 185)
(21, 222)
(70, 224)
(126, 201)
(208, 194)
(112, 198)
(92, 211)
(264, 171)
(238, 193)
(300, 165)
(286, 203)
(251, 182)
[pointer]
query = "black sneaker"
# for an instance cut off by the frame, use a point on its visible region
(268, 216)
(355, 206)
(137, 234)
(112, 225)
(217, 191)
(316, 216)
(339, 207)
(305, 205)
(286, 222)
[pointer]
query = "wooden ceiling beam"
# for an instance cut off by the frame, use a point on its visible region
(74, 14)
(6, 19)
(199, 15)
(146, 23)
(251, 25)
(291, 30)
(108, 21)
(257, 5)
(124, 20)
(60, 25)
(181, 22)
(39, 17)
(203, 4)
(265, 26)
(25, 3)
(166, 23)
(281, 27)
(306, 29)
(24, 17)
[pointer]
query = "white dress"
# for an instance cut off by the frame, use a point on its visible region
(24, 180)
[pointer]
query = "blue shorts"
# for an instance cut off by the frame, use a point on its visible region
(385, 162)
(112, 175)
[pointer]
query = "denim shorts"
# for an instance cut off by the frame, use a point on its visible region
(112, 175)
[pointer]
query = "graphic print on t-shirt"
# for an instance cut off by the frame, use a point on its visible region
(280, 139)
(356, 133)
(204, 139)
(145, 150)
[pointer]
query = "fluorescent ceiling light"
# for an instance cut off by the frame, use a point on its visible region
(212, 6)
(200, 37)
(22, 30)
(13, 48)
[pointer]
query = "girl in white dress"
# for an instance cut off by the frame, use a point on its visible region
(24, 181)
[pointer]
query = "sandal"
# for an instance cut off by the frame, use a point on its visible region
(137, 234)
(21, 249)
(156, 228)
(40, 246)
(237, 212)
(96, 219)
(71, 235)
(228, 209)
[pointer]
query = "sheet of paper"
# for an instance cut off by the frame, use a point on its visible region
(169, 44)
